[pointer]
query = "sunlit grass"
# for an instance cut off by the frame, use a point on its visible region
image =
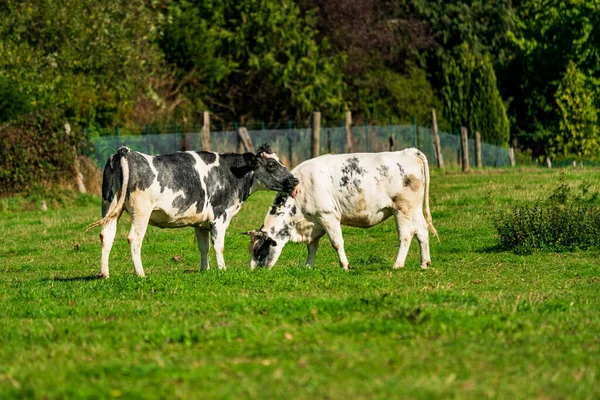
(479, 323)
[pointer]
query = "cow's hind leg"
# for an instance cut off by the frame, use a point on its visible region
(405, 228)
(139, 225)
(334, 230)
(203, 246)
(422, 234)
(107, 238)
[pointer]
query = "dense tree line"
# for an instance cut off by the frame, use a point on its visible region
(519, 71)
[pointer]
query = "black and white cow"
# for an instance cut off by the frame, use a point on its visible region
(200, 189)
(361, 190)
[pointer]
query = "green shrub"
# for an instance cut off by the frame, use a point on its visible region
(567, 220)
(36, 153)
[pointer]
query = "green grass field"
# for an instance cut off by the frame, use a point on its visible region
(480, 323)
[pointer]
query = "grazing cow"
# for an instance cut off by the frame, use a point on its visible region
(361, 190)
(200, 189)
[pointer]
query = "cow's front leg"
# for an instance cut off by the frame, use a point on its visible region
(404, 226)
(333, 228)
(312, 251)
(203, 246)
(218, 240)
(313, 245)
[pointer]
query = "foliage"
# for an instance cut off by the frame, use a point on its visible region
(550, 36)
(471, 97)
(382, 47)
(90, 59)
(252, 59)
(578, 134)
(13, 102)
(36, 152)
(384, 94)
(568, 220)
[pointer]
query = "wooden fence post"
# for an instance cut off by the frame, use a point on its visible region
(290, 151)
(348, 124)
(478, 150)
(244, 137)
(240, 144)
(464, 144)
(78, 175)
(511, 156)
(206, 132)
(316, 134)
(437, 147)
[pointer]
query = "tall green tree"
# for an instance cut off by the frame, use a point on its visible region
(92, 59)
(471, 97)
(549, 36)
(578, 134)
(252, 59)
(382, 46)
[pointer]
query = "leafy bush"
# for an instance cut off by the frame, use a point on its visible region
(36, 153)
(568, 220)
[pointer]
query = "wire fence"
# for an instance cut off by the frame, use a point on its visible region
(293, 145)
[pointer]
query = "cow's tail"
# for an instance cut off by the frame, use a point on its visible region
(112, 185)
(426, 210)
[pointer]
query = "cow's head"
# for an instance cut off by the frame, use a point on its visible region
(264, 250)
(269, 172)
(267, 243)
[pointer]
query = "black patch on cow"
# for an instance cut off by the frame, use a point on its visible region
(284, 232)
(293, 211)
(383, 171)
(107, 181)
(351, 169)
(406, 181)
(344, 181)
(278, 203)
(177, 172)
(229, 182)
(207, 157)
(261, 251)
(141, 176)
(401, 169)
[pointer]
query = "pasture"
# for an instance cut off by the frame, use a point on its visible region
(480, 323)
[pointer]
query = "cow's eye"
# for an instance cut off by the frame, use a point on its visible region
(271, 166)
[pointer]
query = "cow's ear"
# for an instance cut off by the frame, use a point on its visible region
(264, 148)
(251, 160)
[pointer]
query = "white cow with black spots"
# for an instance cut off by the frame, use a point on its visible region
(361, 190)
(200, 189)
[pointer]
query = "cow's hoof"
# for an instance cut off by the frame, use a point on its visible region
(102, 276)
(397, 266)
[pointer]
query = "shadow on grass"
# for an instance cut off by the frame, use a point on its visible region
(74, 278)
(497, 248)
